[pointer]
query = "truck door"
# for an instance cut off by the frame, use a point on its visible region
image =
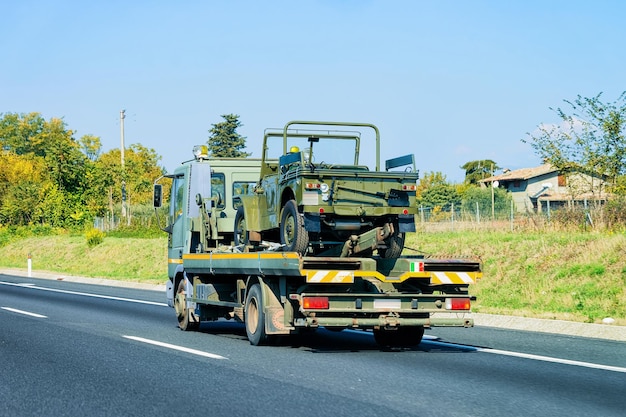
(177, 216)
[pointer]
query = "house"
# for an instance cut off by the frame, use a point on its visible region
(544, 187)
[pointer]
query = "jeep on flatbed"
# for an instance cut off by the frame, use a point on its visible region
(316, 198)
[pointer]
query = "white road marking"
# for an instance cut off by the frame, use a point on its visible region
(26, 313)
(175, 347)
(85, 294)
(528, 356)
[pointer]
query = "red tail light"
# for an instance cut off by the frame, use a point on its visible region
(458, 303)
(315, 303)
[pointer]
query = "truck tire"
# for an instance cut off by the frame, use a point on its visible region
(255, 317)
(292, 232)
(400, 337)
(187, 320)
(395, 245)
(240, 230)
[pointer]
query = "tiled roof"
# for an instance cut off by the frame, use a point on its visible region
(522, 174)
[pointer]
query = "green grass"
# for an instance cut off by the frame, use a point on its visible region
(128, 259)
(573, 276)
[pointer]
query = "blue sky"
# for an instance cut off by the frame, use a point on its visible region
(450, 81)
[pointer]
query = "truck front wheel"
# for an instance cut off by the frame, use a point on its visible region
(187, 320)
(292, 232)
(255, 317)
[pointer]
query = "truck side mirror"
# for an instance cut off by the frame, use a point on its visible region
(157, 195)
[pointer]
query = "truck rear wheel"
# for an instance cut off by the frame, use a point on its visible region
(255, 317)
(241, 231)
(292, 232)
(187, 320)
(400, 337)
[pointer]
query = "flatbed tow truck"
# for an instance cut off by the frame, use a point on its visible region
(279, 293)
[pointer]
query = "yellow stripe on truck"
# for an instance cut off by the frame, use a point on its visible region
(237, 256)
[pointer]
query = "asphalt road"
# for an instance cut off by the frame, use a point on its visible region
(77, 349)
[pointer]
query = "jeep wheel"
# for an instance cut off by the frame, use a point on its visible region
(241, 232)
(395, 245)
(292, 232)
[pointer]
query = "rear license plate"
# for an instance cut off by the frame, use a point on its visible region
(387, 304)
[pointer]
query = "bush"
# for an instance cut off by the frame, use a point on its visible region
(137, 230)
(94, 237)
(615, 213)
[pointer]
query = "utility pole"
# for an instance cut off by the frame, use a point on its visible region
(494, 185)
(124, 209)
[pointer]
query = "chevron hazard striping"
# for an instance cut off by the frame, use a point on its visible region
(452, 278)
(334, 277)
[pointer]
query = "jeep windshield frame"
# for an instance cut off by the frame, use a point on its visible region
(337, 134)
(319, 143)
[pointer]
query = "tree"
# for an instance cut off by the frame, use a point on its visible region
(54, 196)
(435, 192)
(483, 198)
(224, 141)
(48, 177)
(23, 181)
(591, 139)
(429, 180)
(479, 170)
(141, 169)
(442, 196)
(91, 146)
(31, 134)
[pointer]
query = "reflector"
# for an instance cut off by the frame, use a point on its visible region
(315, 303)
(458, 303)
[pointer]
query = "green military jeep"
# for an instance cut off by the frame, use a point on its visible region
(316, 197)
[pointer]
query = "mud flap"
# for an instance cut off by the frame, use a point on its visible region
(406, 223)
(312, 222)
(274, 311)
(275, 321)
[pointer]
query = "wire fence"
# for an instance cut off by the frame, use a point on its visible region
(456, 218)
(139, 217)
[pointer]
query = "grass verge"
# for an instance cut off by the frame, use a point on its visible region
(128, 259)
(557, 275)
